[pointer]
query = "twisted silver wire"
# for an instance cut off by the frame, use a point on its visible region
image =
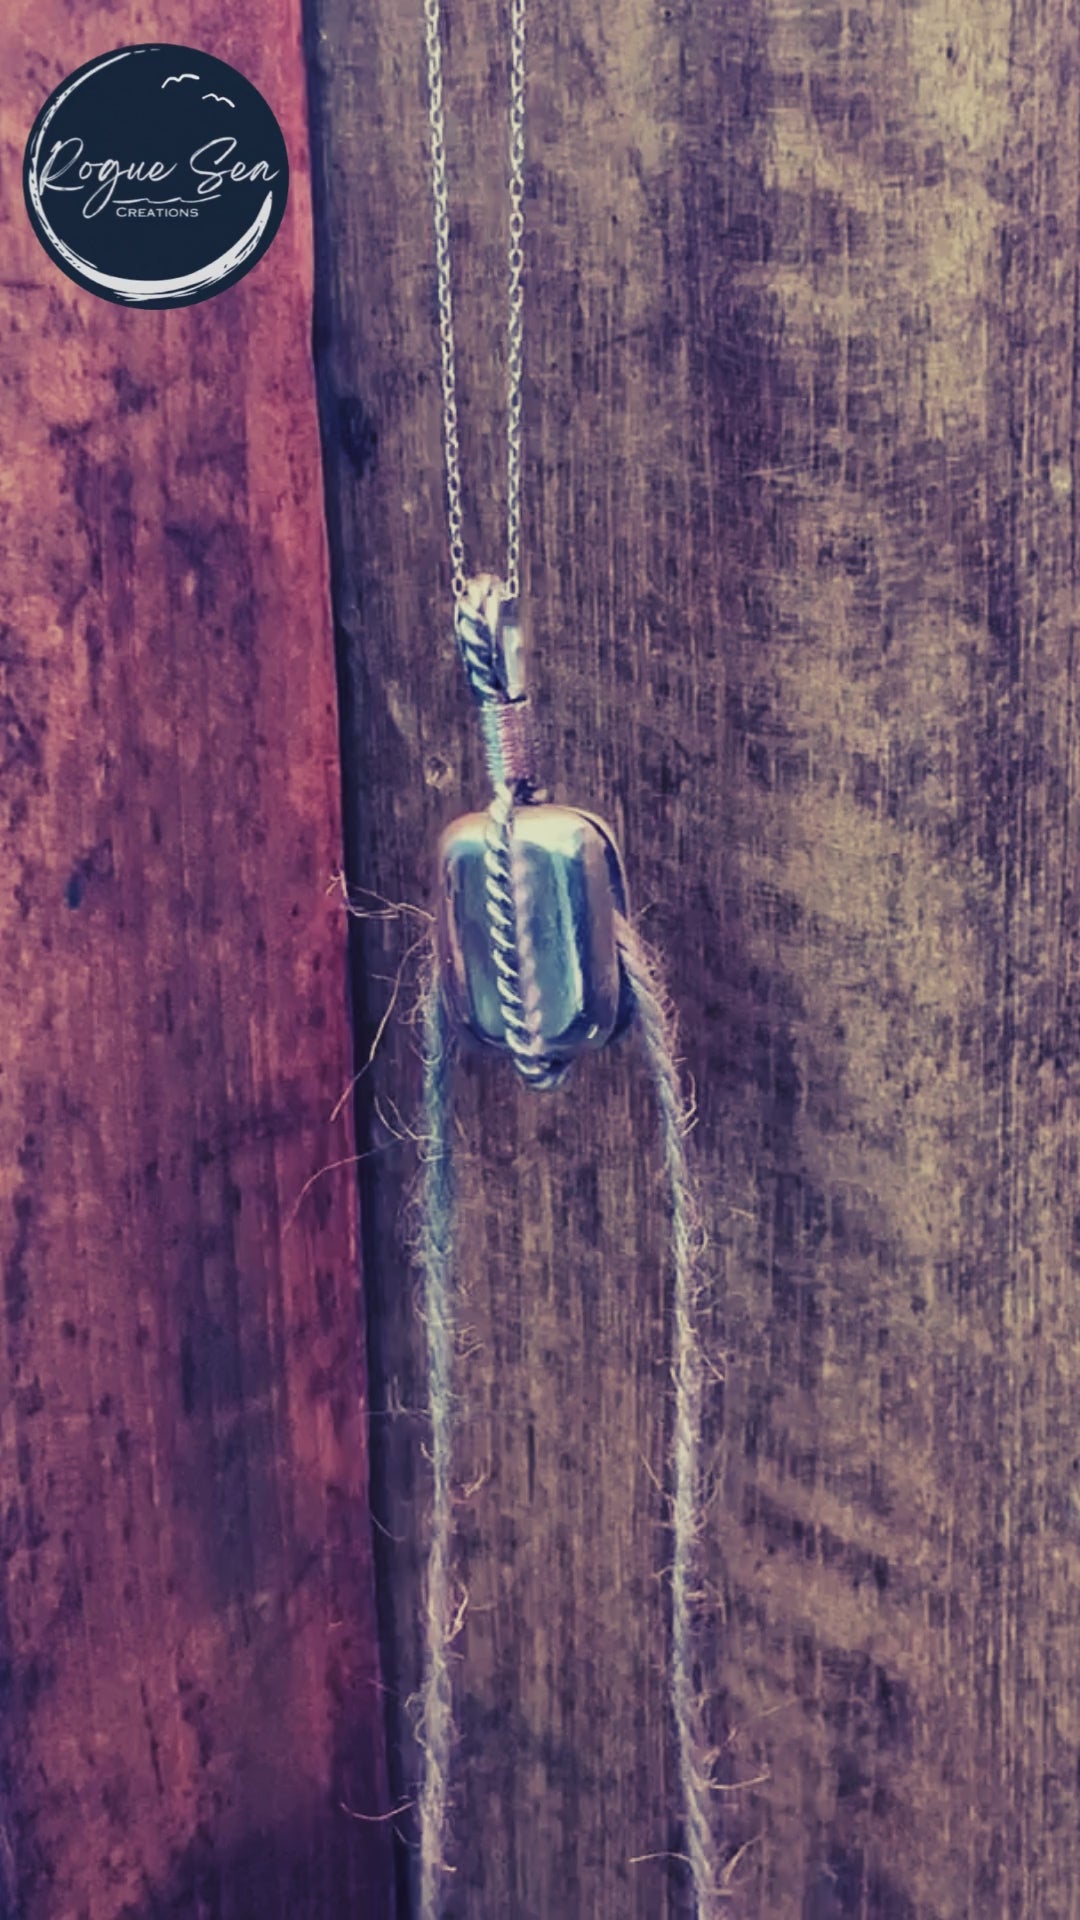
(515, 303)
(476, 644)
(506, 885)
(505, 891)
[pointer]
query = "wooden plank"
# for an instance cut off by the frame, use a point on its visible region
(800, 532)
(190, 1685)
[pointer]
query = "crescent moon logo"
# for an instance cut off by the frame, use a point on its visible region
(183, 285)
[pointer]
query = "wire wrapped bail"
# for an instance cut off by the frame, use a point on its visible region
(487, 627)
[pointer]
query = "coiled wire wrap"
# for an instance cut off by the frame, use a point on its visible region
(508, 747)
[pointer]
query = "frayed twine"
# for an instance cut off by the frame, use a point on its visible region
(656, 1020)
(445, 1609)
(446, 1606)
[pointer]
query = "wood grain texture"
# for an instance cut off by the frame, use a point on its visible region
(189, 1683)
(801, 555)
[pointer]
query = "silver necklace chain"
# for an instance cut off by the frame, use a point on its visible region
(515, 330)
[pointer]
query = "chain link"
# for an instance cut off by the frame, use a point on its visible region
(515, 323)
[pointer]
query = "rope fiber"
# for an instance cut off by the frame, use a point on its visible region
(443, 1610)
(654, 1019)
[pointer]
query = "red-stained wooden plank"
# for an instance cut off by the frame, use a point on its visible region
(189, 1687)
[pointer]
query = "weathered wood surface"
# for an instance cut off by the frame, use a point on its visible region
(801, 534)
(188, 1673)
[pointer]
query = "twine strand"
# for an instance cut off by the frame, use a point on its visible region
(443, 1612)
(656, 1021)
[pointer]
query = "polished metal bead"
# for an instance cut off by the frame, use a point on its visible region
(568, 884)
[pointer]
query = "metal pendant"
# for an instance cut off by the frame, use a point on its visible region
(569, 885)
(529, 891)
